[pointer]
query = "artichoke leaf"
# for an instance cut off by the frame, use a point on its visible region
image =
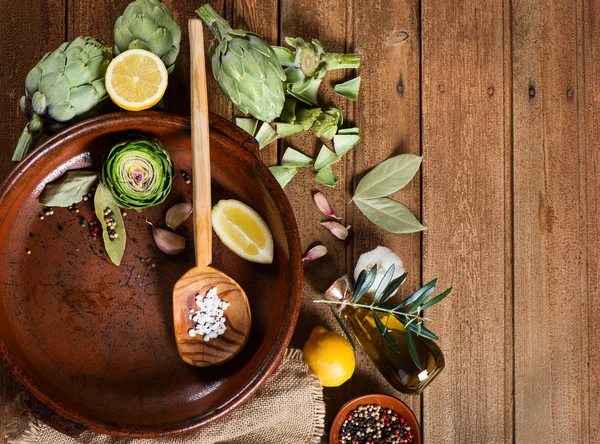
(348, 89)
(342, 143)
(282, 174)
(326, 177)
(294, 158)
(325, 158)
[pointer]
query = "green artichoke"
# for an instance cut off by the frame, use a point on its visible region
(246, 68)
(138, 172)
(65, 86)
(149, 25)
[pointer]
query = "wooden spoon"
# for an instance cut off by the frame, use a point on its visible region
(200, 279)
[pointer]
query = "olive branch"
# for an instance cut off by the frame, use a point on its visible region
(408, 312)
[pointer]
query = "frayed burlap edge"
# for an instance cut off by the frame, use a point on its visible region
(24, 428)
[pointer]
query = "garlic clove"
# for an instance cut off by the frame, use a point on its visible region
(167, 241)
(323, 205)
(315, 253)
(336, 228)
(178, 214)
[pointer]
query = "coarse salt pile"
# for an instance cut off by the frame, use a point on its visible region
(209, 318)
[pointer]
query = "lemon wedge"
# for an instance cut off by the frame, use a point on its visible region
(136, 79)
(243, 231)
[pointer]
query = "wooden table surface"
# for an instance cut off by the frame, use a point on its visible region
(500, 98)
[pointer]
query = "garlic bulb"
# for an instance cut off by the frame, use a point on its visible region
(384, 258)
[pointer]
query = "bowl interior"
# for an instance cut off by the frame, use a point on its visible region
(386, 401)
(96, 341)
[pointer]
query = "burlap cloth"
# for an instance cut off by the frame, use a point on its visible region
(288, 408)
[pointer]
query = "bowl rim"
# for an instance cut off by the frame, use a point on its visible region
(375, 398)
(249, 149)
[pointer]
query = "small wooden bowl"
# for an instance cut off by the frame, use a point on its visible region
(385, 401)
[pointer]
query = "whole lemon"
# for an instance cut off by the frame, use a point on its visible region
(329, 356)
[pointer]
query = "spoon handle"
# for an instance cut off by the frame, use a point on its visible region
(200, 146)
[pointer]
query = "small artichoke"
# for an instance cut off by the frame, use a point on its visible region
(66, 85)
(149, 25)
(246, 68)
(138, 172)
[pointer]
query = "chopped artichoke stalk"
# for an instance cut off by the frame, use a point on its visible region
(247, 124)
(266, 134)
(247, 68)
(326, 177)
(325, 158)
(342, 143)
(306, 117)
(294, 158)
(326, 125)
(335, 112)
(287, 129)
(282, 174)
(307, 90)
(288, 114)
(149, 25)
(349, 131)
(348, 89)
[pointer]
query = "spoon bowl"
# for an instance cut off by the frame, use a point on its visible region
(224, 347)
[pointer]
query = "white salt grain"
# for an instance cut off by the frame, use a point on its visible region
(209, 317)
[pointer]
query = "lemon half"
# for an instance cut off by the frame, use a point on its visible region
(136, 79)
(243, 231)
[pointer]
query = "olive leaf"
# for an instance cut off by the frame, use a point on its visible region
(385, 334)
(410, 343)
(343, 327)
(69, 189)
(388, 177)
(390, 215)
(103, 201)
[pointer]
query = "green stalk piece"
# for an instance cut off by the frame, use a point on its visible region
(149, 25)
(66, 86)
(247, 68)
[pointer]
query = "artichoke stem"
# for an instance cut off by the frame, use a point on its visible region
(29, 137)
(341, 61)
(214, 21)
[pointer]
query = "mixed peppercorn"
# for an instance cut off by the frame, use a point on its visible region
(371, 424)
(111, 224)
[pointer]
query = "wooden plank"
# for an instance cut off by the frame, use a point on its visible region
(261, 17)
(388, 114)
(327, 23)
(463, 207)
(548, 212)
(29, 30)
(589, 112)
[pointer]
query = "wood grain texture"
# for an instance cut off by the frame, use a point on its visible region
(549, 220)
(388, 37)
(463, 208)
(589, 137)
(194, 350)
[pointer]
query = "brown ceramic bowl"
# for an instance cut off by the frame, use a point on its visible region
(94, 343)
(386, 401)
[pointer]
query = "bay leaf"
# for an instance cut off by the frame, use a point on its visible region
(104, 200)
(390, 215)
(388, 177)
(69, 189)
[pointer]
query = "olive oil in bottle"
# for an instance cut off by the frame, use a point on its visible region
(397, 367)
